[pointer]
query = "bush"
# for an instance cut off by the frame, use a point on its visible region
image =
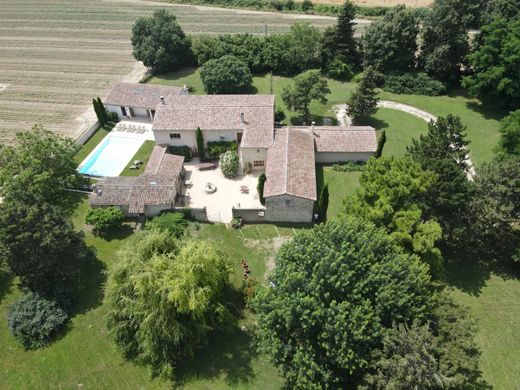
(229, 163)
(350, 166)
(113, 117)
(34, 320)
(105, 219)
(250, 286)
(181, 151)
(279, 115)
(227, 74)
(236, 223)
(414, 84)
(260, 188)
(216, 148)
(173, 223)
(338, 70)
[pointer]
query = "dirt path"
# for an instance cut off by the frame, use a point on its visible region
(345, 120)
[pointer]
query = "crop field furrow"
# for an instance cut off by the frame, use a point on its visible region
(67, 33)
(99, 68)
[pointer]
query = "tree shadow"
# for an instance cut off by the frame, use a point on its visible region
(71, 202)
(470, 274)
(227, 354)
(486, 110)
(319, 120)
(89, 294)
(250, 89)
(377, 124)
(6, 283)
(123, 232)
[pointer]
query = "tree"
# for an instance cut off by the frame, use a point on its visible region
(346, 44)
(165, 299)
(380, 144)
(495, 207)
(99, 115)
(390, 44)
(260, 188)
(200, 143)
(173, 223)
(443, 150)
(159, 42)
(102, 110)
(38, 168)
(323, 203)
(229, 162)
(389, 195)
(42, 248)
(495, 61)
(105, 219)
(501, 9)
(227, 74)
(509, 143)
(34, 320)
(439, 354)
(307, 5)
(334, 291)
(363, 101)
(308, 86)
(445, 42)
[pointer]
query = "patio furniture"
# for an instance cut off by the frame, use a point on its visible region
(134, 167)
(210, 188)
(137, 162)
(188, 184)
(206, 166)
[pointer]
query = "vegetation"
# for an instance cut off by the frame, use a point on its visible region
(34, 320)
(104, 220)
(143, 154)
(509, 142)
(166, 297)
(225, 75)
(345, 47)
(323, 203)
(380, 145)
(200, 143)
(260, 188)
(501, 9)
(184, 151)
(495, 61)
(390, 44)
(318, 326)
(229, 163)
(216, 148)
(159, 42)
(363, 101)
(413, 84)
(389, 196)
(101, 112)
(308, 86)
(173, 223)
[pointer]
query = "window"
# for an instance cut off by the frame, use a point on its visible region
(258, 163)
(123, 111)
(175, 136)
(287, 202)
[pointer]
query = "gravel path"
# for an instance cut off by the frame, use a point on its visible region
(345, 120)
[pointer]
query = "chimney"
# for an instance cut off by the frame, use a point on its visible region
(312, 126)
(162, 100)
(242, 119)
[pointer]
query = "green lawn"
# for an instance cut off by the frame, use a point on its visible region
(142, 154)
(341, 185)
(91, 143)
(85, 356)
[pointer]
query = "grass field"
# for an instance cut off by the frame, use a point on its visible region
(143, 154)
(56, 55)
(91, 143)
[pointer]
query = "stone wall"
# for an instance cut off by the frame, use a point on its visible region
(249, 215)
(287, 208)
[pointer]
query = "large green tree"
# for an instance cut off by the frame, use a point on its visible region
(390, 44)
(335, 290)
(501, 9)
(495, 207)
(346, 48)
(443, 150)
(308, 86)
(42, 248)
(224, 75)
(444, 39)
(496, 63)
(159, 42)
(509, 143)
(363, 101)
(38, 168)
(389, 194)
(165, 298)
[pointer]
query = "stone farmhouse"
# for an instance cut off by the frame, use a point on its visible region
(287, 155)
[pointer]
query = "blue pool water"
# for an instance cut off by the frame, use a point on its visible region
(111, 156)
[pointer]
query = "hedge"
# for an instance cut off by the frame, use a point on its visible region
(181, 151)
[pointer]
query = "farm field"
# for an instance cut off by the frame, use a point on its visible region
(380, 3)
(56, 55)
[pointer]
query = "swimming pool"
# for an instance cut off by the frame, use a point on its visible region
(111, 156)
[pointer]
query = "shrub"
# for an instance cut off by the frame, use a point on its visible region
(105, 219)
(307, 5)
(260, 188)
(34, 320)
(250, 286)
(279, 115)
(339, 70)
(414, 84)
(216, 148)
(380, 145)
(350, 166)
(173, 223)
(113, 117)
(227, 74)
(229, 163)
(236, 223)
(181, 151)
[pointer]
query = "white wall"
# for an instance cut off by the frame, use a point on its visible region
(336, 157)
(254, 154)
(115, 109)
(140, 112)
(188, 137)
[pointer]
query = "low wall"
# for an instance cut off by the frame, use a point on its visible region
(249, 215)
(88, 133)
(196, 214)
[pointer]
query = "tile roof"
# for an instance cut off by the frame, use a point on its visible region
(156, 186)
(141, 95)
(290, 167)
(345, 139)
(221, 112)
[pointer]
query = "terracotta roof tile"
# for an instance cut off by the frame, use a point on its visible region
(141, 95)
(345, 139)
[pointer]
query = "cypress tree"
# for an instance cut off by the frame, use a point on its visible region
(323, 203)
(260, 188)
(102, 110)
(96, 110)
(380, 145)
(200, 143)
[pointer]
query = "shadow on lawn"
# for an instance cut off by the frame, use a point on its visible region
(90, 292)
(470, 274)
(6, 282)
(488, 111)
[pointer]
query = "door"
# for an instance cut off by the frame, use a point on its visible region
(123, 111)
(239, 138)
(131, 111)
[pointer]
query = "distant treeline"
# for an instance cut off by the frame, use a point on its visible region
(292, 6)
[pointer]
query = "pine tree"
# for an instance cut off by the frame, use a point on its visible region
(363, 101)
(346, 45)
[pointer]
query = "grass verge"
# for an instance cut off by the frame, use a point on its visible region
(143, 154)
(92, 142)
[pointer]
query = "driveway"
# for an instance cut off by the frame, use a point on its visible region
(218, 205)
